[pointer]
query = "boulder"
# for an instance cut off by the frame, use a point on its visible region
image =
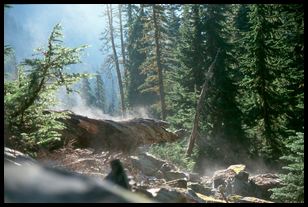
(260, 184)
(234, 180)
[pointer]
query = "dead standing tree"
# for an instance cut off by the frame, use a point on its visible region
(205, 86)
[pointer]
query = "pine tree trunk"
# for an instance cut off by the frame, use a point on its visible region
(115, 56)
(205, 87)
(159, 66)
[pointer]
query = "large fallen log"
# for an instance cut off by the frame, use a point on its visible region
(123, 136)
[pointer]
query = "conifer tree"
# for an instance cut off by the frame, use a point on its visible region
(27, 98)
(86, 93)
(136, 56)
(292, 189)
(263, 92)
(156, 59)
(100, 93)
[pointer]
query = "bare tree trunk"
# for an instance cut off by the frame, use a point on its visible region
(159, 66)
(122, 46)
(205, 86)
(115, 56)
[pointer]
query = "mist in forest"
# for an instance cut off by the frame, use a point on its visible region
(28, 26)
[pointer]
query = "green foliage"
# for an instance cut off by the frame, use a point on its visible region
(267, 73)
(135, 57)
(175, 153)
(157, 50)
(292, 189)
(29, 96)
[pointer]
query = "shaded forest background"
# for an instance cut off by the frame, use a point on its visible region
(253, 110)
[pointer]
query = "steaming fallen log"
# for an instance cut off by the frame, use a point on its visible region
(115, 135)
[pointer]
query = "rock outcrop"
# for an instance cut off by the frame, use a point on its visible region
(260, 184)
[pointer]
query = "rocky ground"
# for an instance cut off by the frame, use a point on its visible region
(161, 181)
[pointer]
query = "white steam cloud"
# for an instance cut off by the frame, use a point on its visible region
(73, 102)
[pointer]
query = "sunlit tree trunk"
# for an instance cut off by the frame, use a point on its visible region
(115, 56)
(123, 47)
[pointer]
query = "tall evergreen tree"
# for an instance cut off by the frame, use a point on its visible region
(262, 63)
(156, 59)
(188, 72)
(136, 56)
(292, 189)
(29, 96)
(100, 93)
(222, 117)
(86, 93)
